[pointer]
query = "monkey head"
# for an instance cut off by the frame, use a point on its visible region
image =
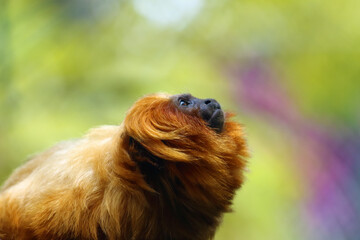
(182, 131)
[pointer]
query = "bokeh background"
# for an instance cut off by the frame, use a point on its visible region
(289, 69)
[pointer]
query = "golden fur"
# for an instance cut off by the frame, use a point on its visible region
(161, 174)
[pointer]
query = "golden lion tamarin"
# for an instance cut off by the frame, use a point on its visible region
(169, 171)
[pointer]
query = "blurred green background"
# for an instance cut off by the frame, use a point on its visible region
(289, 70)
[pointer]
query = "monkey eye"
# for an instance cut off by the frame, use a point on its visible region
(183, 102)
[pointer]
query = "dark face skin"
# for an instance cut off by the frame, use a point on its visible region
(207, 109)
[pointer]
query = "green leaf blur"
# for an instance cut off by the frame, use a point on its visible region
(69, 65)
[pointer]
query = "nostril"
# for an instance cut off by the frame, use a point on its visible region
(207, 101)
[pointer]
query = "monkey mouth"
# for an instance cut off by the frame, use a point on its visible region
(216, 120)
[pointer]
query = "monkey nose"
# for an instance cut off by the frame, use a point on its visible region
(212, 104)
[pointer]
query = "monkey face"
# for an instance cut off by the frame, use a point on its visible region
(207, 109)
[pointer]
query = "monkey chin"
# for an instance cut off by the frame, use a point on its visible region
(168, 171)
(217, 120)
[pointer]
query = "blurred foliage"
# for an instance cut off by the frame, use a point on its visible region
(69, 65)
